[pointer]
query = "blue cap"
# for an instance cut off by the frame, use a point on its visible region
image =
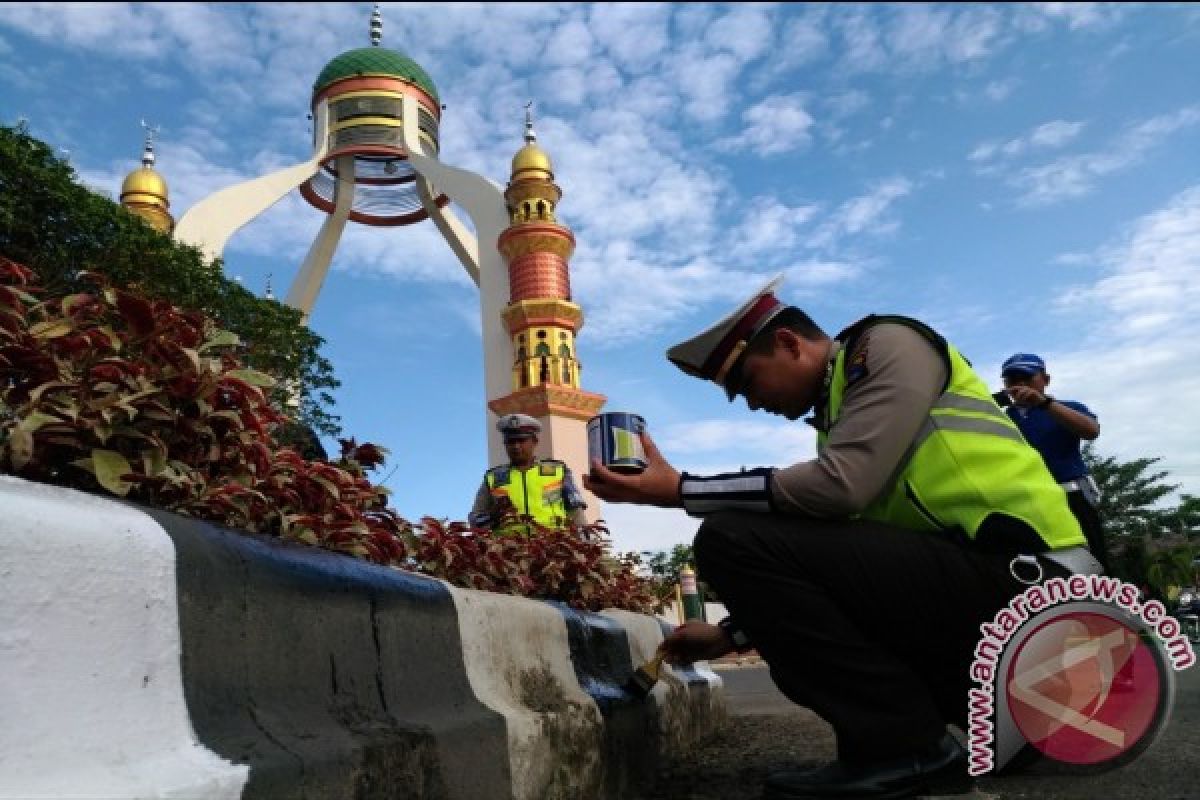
(1024, 363)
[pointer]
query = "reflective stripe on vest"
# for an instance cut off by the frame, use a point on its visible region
(968, 460)
(532, 492)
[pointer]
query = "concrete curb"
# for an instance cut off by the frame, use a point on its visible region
(150, 655)
(92, 700)
(329, 676)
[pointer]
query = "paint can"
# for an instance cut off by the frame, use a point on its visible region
(614, 441)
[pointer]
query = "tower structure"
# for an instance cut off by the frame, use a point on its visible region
(375, 161)
(144, 191)
(359, 170)
(541, 318)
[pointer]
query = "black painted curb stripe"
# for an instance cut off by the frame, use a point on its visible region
(327, 675)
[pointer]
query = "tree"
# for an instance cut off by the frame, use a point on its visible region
(1128, 496)
(1143, 534)
(665, 565)
(49, 222)
(1184, 519)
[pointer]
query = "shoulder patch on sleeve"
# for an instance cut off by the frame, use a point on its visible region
(856, 362)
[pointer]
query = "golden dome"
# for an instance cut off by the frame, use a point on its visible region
(144, 181)
(531, 157)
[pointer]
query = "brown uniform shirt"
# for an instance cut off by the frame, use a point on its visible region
(880, 415)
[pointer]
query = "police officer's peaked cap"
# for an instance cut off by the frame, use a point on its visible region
(713, 354)
(518, 426)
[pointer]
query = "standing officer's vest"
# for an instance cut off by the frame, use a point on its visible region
(967, 464)
(536, 491)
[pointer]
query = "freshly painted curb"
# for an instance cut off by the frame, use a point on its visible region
(151, 655)
(92, 700)
(329, 676)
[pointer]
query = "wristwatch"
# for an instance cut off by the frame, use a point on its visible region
(741, 642)
(1046, 401)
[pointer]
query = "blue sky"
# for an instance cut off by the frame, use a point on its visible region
(1022, 177)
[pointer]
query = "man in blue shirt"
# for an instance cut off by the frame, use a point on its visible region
(1056, 428)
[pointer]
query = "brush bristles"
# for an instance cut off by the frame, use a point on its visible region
(645, 676)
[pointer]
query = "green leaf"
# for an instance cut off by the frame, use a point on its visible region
(252, 377)
(109, 467)
(221, 339)
(154, 461)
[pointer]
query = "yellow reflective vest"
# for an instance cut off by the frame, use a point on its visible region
(536, 491)
(968, 464)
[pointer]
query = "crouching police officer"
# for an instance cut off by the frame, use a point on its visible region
(539, 490)
(923, 499)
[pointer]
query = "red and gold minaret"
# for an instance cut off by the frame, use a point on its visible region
(540, 316)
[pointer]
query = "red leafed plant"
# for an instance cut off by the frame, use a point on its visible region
(108, 391)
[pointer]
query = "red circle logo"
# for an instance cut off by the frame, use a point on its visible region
(1085, 688)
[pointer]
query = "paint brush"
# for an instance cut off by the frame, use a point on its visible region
(645, 676)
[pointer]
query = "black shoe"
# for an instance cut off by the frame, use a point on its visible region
(940, 770)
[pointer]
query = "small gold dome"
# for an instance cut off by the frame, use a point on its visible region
(144, 181)
(531, 157)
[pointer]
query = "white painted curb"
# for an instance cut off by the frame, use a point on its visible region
(91, 702)
(518, 662)
(683, 716)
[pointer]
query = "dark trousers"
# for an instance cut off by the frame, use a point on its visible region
(1093, 528)
(870, 626)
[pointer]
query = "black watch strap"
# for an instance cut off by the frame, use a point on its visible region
(741, 641)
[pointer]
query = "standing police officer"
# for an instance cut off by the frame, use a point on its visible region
(1056, 429)
(862, 576)
(542, 490)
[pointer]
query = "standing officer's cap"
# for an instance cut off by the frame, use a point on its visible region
(518, 426)
(715, 354)
(1023, 364)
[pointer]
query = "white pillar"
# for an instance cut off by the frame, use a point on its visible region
(483, 200)
(307, 284)
(210, 223)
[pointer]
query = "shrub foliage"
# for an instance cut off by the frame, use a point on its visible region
(106, 390)
(60, 228)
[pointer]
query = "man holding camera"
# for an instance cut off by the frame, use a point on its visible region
(1056, 429)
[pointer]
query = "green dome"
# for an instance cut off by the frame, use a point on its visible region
(375, 61)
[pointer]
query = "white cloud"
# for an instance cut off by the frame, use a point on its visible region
(803, 40)
(1054, 134)
(1082, 15)
(745, 31)
(613, 23)
(645, 528)
(1074, 176)
(812, 276)
(861, 46)
(1000, 90)
(770, 227)
(1137, 370)
(759, 442)
(917, 37)
(571, 44)
(777, 124)
(865, 214)
(1050, 134)
(705, 79)
(628, 297)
